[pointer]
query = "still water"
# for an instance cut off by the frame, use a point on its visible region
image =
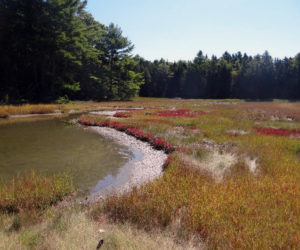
(52, 146)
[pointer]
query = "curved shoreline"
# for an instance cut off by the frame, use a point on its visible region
(146, 165)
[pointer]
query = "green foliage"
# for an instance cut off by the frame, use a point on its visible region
(119, 79)
(230, 76)
(63, 100)
(55, 48)
(72, 87)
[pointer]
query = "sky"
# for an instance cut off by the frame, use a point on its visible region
(178, 29)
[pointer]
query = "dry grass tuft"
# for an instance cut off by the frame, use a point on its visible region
(72, 229)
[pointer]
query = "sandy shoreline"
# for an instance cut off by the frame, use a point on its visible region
(146, 165)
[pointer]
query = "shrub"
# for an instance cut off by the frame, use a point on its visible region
(63, 100)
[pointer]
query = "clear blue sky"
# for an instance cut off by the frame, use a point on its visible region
(178, 29)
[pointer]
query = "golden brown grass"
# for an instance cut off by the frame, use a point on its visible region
(29, 109)
(33, 192)
(245, 210)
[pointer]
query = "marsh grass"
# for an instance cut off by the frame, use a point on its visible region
(33, 192)
(73, 229)
(246, 210)
(76, 107)
(29, 109)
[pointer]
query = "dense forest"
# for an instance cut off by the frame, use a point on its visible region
(54, 50)
(230, 76)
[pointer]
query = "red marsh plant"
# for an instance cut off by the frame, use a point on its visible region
(180, 113)
(275, 131)
(86, 122)
(160, 144)
(157, 143)
(140, 134)
(116, 125)
(122, 115)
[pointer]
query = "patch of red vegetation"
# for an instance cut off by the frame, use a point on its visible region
(140, 134)
(180, 113)
(122, 115)
(276, 131)
(87, 122)
(116, 125)
(157, 143)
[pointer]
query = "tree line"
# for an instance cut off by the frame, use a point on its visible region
(54, 50)
(230, 76)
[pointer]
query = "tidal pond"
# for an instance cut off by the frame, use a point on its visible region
(53, 146)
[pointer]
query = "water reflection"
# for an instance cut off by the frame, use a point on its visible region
(50, 147)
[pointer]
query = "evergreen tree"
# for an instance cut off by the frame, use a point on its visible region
(117, 65)
(41, 45)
